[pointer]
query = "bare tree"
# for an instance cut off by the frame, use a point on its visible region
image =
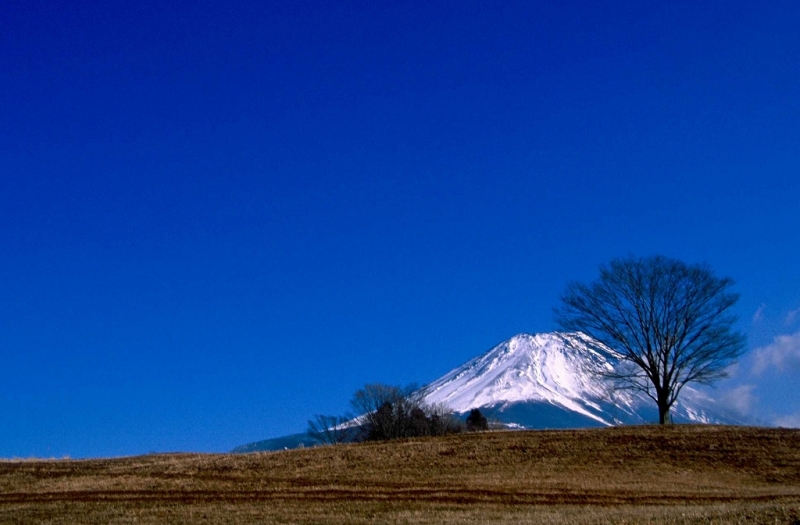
(381, 409)
(670, 324)
(369, 399)
(392, 412)
(330, 430)
(442, 420)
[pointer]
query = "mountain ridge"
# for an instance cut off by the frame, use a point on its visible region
(543, 381)
(527, 367)
(557, 371)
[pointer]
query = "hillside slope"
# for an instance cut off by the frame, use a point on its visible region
(677, 474)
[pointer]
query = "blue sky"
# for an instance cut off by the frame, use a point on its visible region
(219, 219)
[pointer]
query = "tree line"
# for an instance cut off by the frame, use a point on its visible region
(383, 412)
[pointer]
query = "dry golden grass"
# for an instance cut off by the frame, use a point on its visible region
(678, 474)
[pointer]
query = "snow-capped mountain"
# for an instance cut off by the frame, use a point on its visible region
(546, 381)
(542, 381)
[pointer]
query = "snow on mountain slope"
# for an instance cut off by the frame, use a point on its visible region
(545, 372)
(543, 381)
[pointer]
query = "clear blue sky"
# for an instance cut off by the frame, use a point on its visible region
(219, 219)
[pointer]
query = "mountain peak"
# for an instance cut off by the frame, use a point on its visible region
(553, 371)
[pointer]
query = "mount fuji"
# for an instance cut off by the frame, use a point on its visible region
(546, 381)
(543, 381)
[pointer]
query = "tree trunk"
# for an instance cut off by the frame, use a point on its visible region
(663, 414)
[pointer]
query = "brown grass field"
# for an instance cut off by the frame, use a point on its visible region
(676, 474)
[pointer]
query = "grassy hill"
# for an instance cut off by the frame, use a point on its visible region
(678, 474)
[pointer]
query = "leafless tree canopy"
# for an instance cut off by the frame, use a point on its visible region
(670, 323)
(384, 412)
(330, 430)
(391, 412)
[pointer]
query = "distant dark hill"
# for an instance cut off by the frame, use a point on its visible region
(279, 443)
